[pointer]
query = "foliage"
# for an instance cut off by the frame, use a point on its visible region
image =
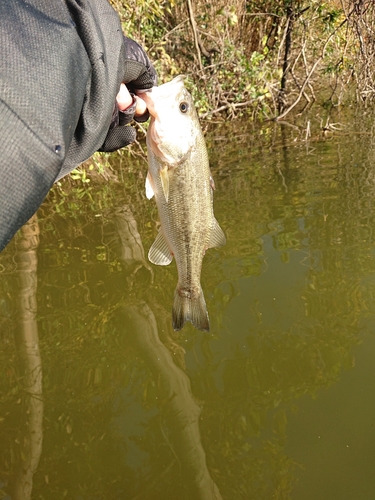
(264, 58)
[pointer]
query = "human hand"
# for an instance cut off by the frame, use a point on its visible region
(125, 99)
(139, 74)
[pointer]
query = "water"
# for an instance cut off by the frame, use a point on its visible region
(101, 399)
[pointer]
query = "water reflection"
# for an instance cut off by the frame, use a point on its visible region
(27, 447)
(137, 323)
(178, 409)
(135, 410)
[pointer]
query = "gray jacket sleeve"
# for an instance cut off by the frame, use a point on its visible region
(61, 65)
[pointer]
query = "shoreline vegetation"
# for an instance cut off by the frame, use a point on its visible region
(256, 61)
(262, 58)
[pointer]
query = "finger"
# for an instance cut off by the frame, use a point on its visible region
(141, 106)
(123, 98)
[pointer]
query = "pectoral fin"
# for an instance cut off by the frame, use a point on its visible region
(217, 237)
(149, 188)
(159, 252)
(164, 177)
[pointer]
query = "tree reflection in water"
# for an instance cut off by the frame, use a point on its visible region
(28, 447)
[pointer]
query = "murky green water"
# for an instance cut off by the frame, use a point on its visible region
(101, 399)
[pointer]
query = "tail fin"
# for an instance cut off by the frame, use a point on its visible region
(188, 308)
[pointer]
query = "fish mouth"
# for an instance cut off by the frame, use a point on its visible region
(164, 90)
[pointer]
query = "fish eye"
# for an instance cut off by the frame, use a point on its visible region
(184, 107)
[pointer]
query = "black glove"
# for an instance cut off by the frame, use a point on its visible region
(139, 74)
(118, 138)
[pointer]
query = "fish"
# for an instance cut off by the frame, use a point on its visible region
(179, 177)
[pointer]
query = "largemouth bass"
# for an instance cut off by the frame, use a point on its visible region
(179, 176)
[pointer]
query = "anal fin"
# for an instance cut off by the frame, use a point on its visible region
(159, 253)
(217, 236)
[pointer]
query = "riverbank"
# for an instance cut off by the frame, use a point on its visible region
(264, 59)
